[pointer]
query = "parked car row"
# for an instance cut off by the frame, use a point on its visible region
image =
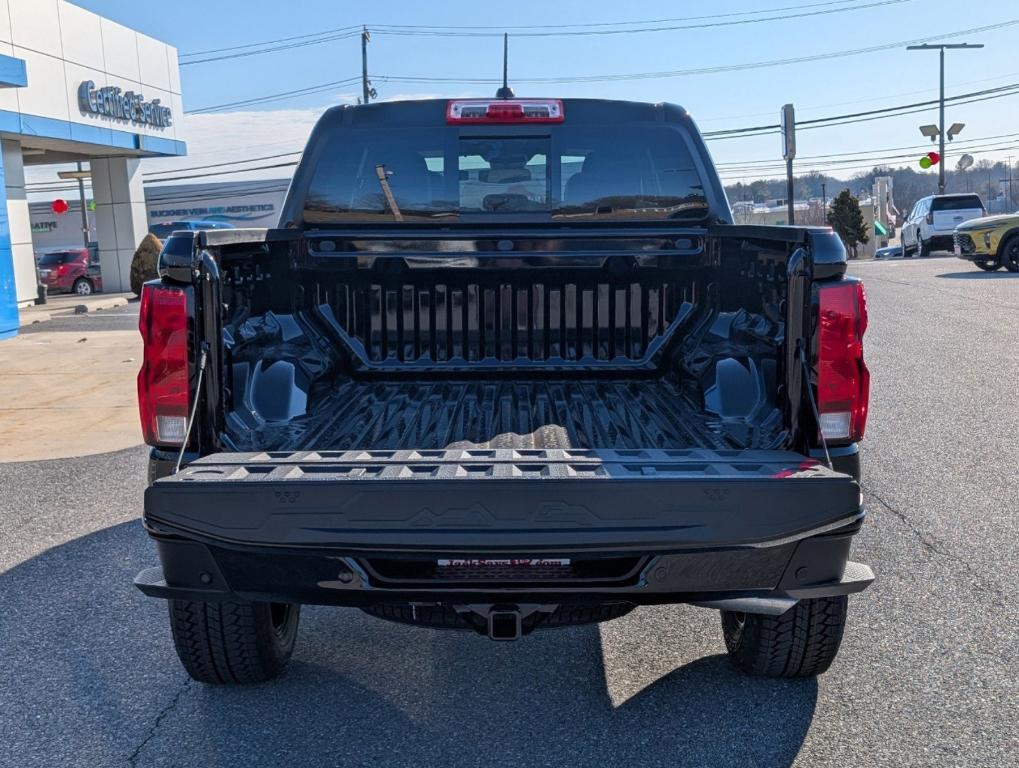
(990, 242)
(958, 223)
(76, 270)
(931, 224)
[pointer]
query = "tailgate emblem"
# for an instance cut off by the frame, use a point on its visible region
(287, 497)
(716, 494)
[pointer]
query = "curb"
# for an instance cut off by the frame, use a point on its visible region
(33, 315)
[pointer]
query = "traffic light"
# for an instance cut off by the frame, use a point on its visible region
(929, 160)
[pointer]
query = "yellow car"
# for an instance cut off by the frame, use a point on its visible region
(990, 242)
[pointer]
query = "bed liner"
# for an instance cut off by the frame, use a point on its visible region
(487, 413)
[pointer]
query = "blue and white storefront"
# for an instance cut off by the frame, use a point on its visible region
(77, 87)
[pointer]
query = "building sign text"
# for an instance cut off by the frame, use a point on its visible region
(112, 102)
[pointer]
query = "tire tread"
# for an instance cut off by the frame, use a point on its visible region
(802, 642)
(228, 643)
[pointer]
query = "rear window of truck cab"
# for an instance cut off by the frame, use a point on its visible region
(563, 173)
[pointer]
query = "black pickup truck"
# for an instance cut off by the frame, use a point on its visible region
(505, 365)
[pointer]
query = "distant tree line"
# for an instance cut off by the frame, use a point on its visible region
(909, 184)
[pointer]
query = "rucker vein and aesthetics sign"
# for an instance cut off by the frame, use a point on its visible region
(113, 102)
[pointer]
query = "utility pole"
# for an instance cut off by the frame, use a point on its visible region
(365, 85)
(824, 199)
(1011, 196)
(84, 210)
(941, 103)
(80, 175)
(789, 154)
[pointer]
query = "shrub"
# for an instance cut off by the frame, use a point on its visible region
(143, 265)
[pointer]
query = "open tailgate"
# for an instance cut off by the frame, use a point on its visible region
(503, 499)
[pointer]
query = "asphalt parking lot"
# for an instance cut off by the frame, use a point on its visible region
(927, 675)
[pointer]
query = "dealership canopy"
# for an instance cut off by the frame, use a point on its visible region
(79, 88)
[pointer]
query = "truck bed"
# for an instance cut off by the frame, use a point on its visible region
(487, 413)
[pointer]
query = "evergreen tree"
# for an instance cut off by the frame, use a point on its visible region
(846, 218)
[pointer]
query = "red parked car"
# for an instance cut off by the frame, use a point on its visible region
(70, 271)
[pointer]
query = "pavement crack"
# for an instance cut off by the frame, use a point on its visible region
(132, 759)
(934, 547)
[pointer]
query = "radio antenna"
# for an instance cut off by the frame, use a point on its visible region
(505, 92)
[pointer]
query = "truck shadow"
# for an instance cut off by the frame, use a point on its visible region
(1000, 275)
(90, 674)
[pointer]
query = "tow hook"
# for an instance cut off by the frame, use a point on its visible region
(505, 622)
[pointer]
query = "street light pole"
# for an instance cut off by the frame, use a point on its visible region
(941, 102)
(941, 125)
(84, 208)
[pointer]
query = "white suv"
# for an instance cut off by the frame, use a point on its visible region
(932, 222)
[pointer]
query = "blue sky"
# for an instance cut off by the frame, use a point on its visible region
(717, 101)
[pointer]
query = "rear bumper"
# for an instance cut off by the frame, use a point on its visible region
(941, 242)
(365, 528)
(812, 567)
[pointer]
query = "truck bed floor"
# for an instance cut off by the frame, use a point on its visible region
(498, 414)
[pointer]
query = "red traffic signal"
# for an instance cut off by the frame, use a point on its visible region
(934, 157)
(59, 206)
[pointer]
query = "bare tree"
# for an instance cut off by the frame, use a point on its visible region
(814, 216)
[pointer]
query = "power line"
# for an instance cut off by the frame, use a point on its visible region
(664, 74)
(578, 25)
(259, 51)
(859, 162)
(732, 177)
(1001, 91)
(561, 30)
(866, 152)
(222, 173)
(308, 91)
(63, 185)
(276, 41)
(868, 100)
(495, 32)
(225, 163)
(311, 89)
(836, 164)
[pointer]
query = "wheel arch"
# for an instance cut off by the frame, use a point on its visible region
(1005, 237)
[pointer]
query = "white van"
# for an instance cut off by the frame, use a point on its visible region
(932, 222)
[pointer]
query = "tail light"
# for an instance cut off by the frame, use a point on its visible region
(163, 396)
(843, 381)
(930, 217)
(472, 111)
(62, 269)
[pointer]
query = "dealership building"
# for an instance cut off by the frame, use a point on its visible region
(77, 87)
(234, 203)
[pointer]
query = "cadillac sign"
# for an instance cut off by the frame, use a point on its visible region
(112, 102)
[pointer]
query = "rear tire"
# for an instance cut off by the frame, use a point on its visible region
(1008, 256)
(802, 642)
(988, 266)
(221, 643)
(925, 249)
